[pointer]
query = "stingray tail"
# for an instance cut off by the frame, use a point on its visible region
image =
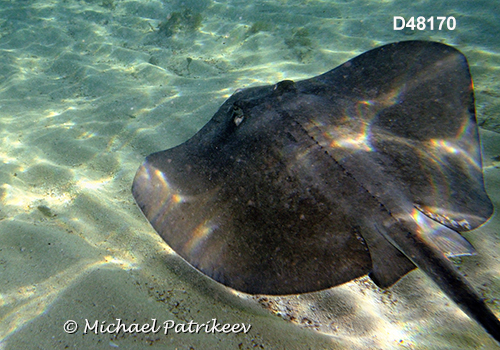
(437, 266)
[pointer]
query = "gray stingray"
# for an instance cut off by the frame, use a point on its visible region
(371, 168)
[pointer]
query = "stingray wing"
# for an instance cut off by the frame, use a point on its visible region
(411, 120)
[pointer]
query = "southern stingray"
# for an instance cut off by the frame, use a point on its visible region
(371, 168)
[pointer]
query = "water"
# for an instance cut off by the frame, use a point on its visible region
(89, 88)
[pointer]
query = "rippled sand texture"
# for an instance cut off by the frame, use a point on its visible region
(89, 88)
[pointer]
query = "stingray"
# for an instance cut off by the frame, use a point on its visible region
(371, 168)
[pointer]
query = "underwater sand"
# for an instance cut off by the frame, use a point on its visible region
(89, 88)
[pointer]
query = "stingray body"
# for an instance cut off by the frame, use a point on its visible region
(371, 168)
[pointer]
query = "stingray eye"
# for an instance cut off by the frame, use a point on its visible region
(284, 86)
(237, 115)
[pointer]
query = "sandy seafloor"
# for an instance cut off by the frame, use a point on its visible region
(89, 88)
